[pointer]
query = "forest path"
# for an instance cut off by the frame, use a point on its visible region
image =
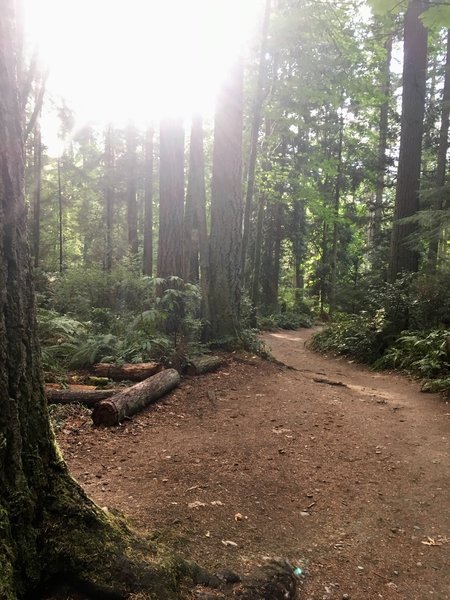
(347, 479)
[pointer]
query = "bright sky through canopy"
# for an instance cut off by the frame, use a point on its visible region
(116, 60)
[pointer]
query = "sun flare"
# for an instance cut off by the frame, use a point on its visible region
(115, 60)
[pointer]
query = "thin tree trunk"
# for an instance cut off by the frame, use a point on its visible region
(60, 219)
(226, 208)
(257, 256)
(171, 204)
(298, 248)
(441, 167)
(337, 198)
(133, 243)
(404, 254)
(190, 227)
(324, 270)
(148, 204)
(109, 198)
(385, 90)
(37, 180)
(256, 124)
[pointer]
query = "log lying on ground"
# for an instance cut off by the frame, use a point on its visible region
(203, 364)
(88, 398)
(134, 398)
(132, 372)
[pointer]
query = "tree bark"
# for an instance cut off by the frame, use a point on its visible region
(148, 204)
(198, 188)
(256, 270)
(404, 254)
(256, 124)
(226, 208)
(37, 183)
(377, 217)
(133, 243)
(441, 167)
(337, 199)
(132, 400)
(109, 198)
(171, 198)
(195, 194)
(131, 372)
(60, 219)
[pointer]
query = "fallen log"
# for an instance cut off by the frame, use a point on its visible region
(135, 398)
(203, 364)
(87, 397)
(132, 372)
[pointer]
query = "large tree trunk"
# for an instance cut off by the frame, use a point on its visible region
(147, 267)
(171, 198)
(404, 253)
(441, 167)
(226, 208)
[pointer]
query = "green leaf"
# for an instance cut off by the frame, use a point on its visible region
(382, 7)
(437, 16)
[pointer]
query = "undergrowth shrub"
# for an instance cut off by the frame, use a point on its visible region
(422, 353)
(357, 336)
(286, 320)
(100, 318)
(403, 326)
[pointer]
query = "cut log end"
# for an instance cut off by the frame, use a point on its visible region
(203, 364)
(105, 413)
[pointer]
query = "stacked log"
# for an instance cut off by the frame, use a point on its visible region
(130, 372)
(87, 397)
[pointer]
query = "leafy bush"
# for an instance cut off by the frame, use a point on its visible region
(358, 336)
(164, 328)
(285, 320)
(421, 353)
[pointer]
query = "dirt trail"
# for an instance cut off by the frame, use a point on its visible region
(340, 469)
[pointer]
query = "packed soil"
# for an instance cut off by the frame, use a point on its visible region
(341, 470)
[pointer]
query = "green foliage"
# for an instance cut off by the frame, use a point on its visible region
(437, 16)
(387, 333)
(357, 336)
(285, 320)
(117, 317)
(421, 353)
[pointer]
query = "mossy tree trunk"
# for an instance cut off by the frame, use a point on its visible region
(48, 527)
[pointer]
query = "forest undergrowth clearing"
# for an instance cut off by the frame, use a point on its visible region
(349, 481)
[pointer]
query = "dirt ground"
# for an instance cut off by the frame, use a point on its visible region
(341, 470)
